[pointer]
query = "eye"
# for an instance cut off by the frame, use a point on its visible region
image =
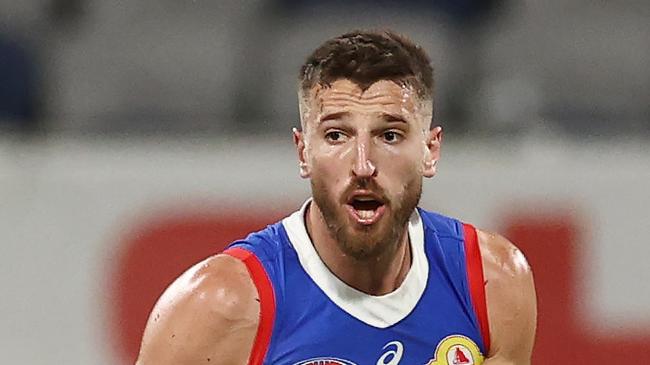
(334, 136)
(391, 136)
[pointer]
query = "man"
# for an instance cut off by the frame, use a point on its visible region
(359, 275)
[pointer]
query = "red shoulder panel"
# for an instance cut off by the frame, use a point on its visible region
(474, 264)
(267, 302)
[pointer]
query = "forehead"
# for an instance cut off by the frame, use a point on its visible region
(382, 96)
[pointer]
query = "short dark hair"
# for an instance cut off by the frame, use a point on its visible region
(366, 57)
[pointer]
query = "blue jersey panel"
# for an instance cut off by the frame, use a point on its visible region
(310, 329)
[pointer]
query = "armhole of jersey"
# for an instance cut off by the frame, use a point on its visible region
(474, 264)
(267, 302)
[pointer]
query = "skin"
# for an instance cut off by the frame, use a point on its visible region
(375, 141)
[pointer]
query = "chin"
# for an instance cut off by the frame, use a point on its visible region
(364, 242)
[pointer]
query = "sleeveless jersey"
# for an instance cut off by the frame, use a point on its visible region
(310, 317)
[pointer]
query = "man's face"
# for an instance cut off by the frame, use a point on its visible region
(366, 153)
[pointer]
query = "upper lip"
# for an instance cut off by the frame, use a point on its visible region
(364, 194)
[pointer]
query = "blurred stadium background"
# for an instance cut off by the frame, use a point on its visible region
(139, 137)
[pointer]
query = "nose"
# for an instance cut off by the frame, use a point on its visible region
(363, 167)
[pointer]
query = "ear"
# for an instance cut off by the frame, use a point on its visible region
(433, 141)
(299, 141)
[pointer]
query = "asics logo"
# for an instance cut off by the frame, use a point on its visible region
(393, 355)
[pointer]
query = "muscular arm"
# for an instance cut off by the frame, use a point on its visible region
(511, 301)
(209, 315)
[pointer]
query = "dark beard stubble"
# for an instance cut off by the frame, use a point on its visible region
(367, 242)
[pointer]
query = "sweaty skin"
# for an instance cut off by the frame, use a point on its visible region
(375, 141)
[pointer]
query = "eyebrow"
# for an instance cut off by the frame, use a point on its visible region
(389, 117)
(333, 116)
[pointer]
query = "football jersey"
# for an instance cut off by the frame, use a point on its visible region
(308, 316)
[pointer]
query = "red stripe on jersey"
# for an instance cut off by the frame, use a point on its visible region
(267, 302)
(474, 263)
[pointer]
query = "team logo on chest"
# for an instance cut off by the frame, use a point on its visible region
(325, 361)
(457, 350)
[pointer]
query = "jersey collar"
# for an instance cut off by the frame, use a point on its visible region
(379, 311)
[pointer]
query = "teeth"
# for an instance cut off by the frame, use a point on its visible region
(364, 199)
(366, 214)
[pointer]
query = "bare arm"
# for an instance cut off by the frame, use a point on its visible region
(511, 301)
(209, 315)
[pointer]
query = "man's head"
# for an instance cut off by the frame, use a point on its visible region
(366, 104)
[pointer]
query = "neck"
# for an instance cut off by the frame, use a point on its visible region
(377, 275)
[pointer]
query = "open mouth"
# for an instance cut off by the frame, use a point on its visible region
(365, 209)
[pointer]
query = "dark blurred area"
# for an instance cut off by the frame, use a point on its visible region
(19, 88)
(576, 68)
(462, 11)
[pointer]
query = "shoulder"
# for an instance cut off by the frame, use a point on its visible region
(222, 286)
(209, 311)
(510, 297)
(501, 258)
(219, 288)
